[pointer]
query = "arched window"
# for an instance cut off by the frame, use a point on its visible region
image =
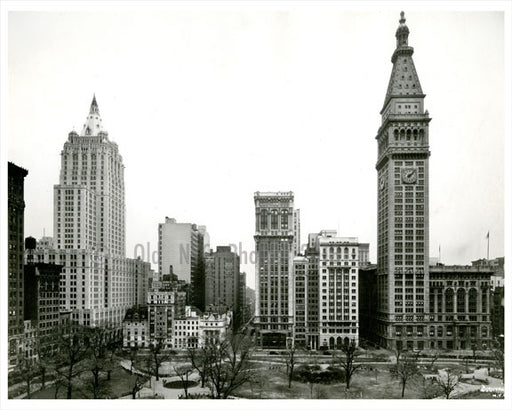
(338, 342)
(449, 300)
(408, 135)
(263, 219)
(273, 220)
(402, 134)
(461, 301)
(472, 297)
(395, 133)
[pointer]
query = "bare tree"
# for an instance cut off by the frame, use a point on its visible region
(229, 365)
(405, 368)
(45, 361)
(429, 388)
(99, 358)
(148, 367)
(433, 360)
(448, 383)
(346, 359)
(158, 356)
(72, 351)
(498, 354)
(259, 379)
(136, 383)
(134, 350)
(290, 361)
(183, 372)
(199, 359)
(474, 349)
(28, 370)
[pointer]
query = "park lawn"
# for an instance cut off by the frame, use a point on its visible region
(273, 384)
(118, 386)
(480, 395)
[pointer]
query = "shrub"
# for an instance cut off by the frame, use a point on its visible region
(314, 374)
(194, 396)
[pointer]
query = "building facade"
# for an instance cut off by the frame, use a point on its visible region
(193, 330)
(98, 283)
(338, 266)
(181, 252)
(244, 310)
(42, 298)
(222, 280)
(275, 247)
(89, 210)
(327, 291)
(403, 198)
(460, 306)
(16, 223)
(165, 304)
(136, 328)
(302, 317)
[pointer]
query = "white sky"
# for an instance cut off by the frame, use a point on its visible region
(210, 105)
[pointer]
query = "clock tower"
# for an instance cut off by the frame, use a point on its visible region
(403, 198)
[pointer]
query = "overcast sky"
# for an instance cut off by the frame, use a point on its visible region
(210, 105)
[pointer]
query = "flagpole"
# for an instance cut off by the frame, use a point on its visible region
(487, 245)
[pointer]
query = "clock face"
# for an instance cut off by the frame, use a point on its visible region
(382, 182)
(409, 175)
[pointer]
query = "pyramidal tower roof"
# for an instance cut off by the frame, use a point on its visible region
(404, 81)
(93, 123)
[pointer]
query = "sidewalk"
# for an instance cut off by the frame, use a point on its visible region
(157, 388)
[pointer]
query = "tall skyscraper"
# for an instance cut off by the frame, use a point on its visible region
(98, 282)
(89, 210)
(222, 281)
(16, 224)
(403, 198)
(275, 248)
(181, 252)
(338, 264)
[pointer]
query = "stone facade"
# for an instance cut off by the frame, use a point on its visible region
(16, 224)
(275, 247)
(403, 198)
(222, 281)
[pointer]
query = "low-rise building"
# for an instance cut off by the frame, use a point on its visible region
(460, 309)
(136, 328)
(194, 330)
(186, 330)
(212, 328)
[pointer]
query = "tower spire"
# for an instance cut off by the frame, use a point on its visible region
(402, 32)
(94, 106)
(93, 123)
(404, 81)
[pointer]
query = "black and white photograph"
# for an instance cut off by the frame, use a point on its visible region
(279, 200)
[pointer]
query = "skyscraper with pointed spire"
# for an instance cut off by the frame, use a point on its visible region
(89, 202)
(403, 199)
(98, 283)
